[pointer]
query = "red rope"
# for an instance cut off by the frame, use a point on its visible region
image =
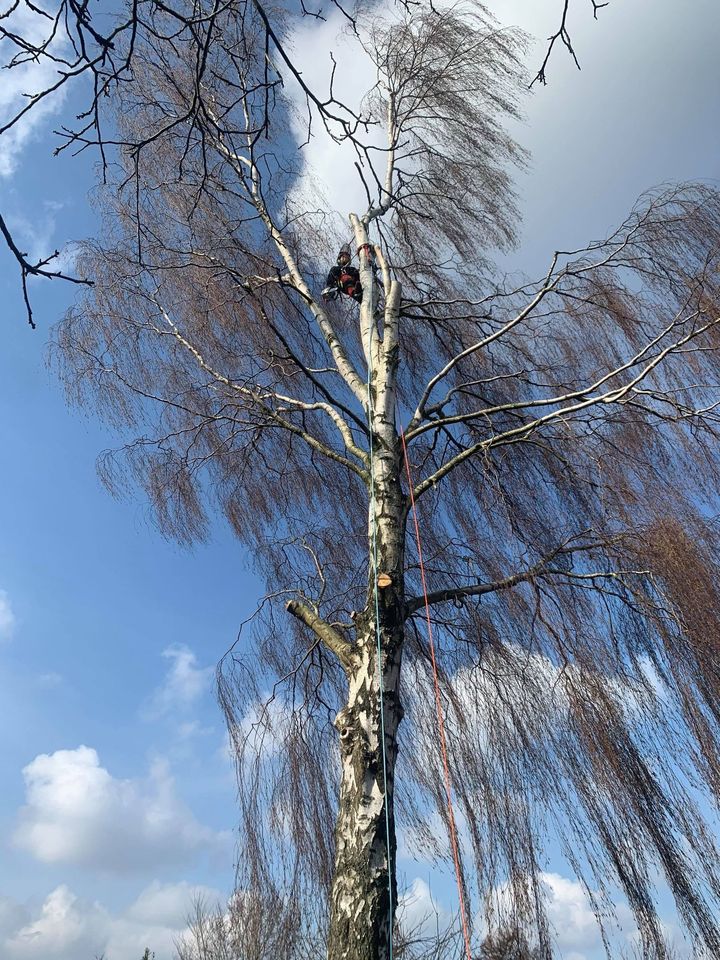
(439, 711)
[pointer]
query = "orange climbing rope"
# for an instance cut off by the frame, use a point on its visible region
(439, 711)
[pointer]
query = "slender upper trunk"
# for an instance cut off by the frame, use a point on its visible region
(364, 894)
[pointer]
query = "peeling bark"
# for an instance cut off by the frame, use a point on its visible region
(364, 875)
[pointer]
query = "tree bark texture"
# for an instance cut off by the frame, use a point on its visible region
(364, 882)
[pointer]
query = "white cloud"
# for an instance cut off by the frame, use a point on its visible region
(184, 684)
(419, 912)
(27, 79)
(77, 812)
(494, 695)
(518, 693)
(66, 927)
(329, 168)
(7, 617)
(168, 904)
(570, 913)
(575, 930)
(61, 926)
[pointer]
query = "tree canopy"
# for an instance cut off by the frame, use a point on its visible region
(562, 436)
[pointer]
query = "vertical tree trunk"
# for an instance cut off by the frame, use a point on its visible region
(364, 895)
(364, 875)
(365, 882)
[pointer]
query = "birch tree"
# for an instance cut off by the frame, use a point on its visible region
(560, 435)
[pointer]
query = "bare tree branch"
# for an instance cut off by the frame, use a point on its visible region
(562, 34)
(39, 269)
(331, 638)
(540, 568)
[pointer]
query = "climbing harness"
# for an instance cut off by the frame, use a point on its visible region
(438, 709)
(378, 636)
(343, 278)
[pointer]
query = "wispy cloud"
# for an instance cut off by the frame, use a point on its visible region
(25, 80)
(183, 686)
(49, 681)
(7, 617)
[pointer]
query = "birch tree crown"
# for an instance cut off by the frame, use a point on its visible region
(562, 431)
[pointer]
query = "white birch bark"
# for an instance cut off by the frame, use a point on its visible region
(364, 894)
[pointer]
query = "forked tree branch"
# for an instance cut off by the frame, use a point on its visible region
(344, 366)
(562, 34)
(549, 284)
(615, 395)
(258, 398)
(523, 576)
(39, 269)
(581, 393)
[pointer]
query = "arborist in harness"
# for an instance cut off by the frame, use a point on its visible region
(343, 278)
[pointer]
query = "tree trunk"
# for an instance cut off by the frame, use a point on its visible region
(364, 894)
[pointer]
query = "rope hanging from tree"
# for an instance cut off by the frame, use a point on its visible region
(438, 710)
(381, 580)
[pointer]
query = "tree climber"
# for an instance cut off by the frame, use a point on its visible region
(343, 278)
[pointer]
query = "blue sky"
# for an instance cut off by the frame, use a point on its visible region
(117, 794)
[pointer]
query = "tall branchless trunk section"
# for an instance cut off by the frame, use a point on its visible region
(365, 883)
(360, 905)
